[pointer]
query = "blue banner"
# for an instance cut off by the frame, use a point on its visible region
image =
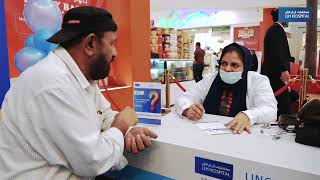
(214, 169)
(4, 61)
(296, 14)
(133, 173)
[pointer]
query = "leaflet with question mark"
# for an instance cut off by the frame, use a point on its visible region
(147, 102)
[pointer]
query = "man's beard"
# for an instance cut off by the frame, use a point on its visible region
(100, 68)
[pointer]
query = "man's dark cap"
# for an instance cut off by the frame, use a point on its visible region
(84, 19)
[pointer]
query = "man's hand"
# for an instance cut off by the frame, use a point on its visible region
(239, 124)
(194, 112)
(138, 138)
(285, 77)
(127, 117)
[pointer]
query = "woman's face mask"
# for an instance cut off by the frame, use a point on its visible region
(230, 77)
(231, 67)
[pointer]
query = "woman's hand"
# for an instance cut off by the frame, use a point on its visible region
(194, 112)
(239, 124)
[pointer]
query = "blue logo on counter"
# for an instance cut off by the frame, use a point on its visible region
(214, 169)
(300, 14)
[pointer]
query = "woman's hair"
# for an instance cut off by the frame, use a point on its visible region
(233, 48)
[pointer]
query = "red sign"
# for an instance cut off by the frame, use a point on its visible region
(247, 36)
(18, 31)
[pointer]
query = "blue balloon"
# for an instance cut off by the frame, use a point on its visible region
(40, 41)
(29, 42)
(42, 14)
(27, 57)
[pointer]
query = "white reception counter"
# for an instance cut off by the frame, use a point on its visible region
(184, 151)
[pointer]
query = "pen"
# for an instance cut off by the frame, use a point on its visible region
(210, 129)
(204, 122)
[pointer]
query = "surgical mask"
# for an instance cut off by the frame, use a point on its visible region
(230, 77)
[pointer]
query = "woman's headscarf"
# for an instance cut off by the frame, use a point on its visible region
(239, 90)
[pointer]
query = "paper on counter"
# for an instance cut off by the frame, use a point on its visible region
(214, 128)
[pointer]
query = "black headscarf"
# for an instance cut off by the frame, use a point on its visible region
(239, 90)
(254, 62)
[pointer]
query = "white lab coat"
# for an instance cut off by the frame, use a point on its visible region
(260, 100)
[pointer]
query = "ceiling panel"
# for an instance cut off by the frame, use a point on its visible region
(168, 5)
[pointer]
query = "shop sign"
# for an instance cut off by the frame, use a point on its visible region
(246, 33)
(289, 14)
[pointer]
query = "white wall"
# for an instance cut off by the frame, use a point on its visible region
(296, 40)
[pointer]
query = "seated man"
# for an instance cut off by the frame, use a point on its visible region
(233, 91)
(56, 124)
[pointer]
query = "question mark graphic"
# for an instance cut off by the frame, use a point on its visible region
(156, 97)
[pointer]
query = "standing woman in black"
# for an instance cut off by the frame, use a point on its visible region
(276, 63)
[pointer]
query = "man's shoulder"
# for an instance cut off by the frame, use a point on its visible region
(273, 27)
(257, 77)
(200, 51)
(210, 77)
(49, 72)
(276, 27)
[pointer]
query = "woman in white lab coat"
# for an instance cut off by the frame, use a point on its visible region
(232, 91)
